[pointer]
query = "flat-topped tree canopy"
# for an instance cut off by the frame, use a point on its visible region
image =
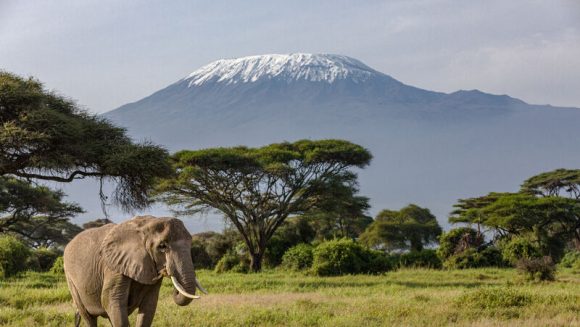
(552, 183)
(46, 136)
(258, 188)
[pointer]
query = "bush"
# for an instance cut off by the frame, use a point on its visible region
(199, 255)
(378, 262)
(420, 259)
(236, 260)
(344, 256)
(494, 298)
(58, 266)
(292, 232)
(539, 269)
(214, 245)
(45, 258)
(472, 258)
(227, 263)
(298, 257)
(456, 241)
(571, 260)
(518, 248)
(13, 255)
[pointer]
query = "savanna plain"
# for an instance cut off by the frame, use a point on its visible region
(406, 297)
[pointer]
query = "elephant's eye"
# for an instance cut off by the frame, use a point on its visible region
(162, 247)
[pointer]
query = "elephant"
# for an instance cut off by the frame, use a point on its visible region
(117, 268)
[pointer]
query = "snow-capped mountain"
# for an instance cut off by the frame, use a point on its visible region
(429, 148)
(293, 67)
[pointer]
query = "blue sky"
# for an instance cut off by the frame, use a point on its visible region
(106, 53)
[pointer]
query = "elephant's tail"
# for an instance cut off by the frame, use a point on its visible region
(77, 319)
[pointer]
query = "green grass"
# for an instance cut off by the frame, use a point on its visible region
(478, 297)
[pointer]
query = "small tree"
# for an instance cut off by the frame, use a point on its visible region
(35, 214)
(458, 240)
(339, 212)
(410, 228)
(13, 256)
(258, 188)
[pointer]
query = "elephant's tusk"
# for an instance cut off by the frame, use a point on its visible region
(181, 290)
(200, 287)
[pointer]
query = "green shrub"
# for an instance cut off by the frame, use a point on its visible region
(235, 261)
(58, 266)
(518, 248)
(494, 298)
(493, 257)
(298, 257)
(293, 231)
(571, 260)
(45, 257)
(337, 257)
(214, 245)
(344, 256)
(538, 269)
(420, 259)
(377, 262)
(472, 258)
(32, 263)
(456, 241)
(227, 263)
(13, 255)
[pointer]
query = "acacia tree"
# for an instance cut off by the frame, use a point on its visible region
(44, 136)
(35, 213)
(469, 211)
(549, 219)
(258, 188)
(410, 228)
(339, 212)
(554, 183)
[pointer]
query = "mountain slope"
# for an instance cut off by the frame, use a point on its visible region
(430, 148)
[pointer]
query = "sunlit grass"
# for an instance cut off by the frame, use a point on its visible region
(478, 297)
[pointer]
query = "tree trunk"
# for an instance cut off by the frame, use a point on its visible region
(256, 261)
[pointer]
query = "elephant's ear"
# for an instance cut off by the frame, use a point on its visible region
(123, 251)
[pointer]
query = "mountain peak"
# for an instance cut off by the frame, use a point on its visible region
(289, 67)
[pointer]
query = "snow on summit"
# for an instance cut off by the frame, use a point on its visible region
(290, 67)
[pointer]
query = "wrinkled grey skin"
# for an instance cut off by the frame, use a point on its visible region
(115, 269)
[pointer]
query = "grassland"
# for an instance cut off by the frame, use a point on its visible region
(479, 297)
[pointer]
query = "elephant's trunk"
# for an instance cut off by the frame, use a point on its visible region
(182, 272)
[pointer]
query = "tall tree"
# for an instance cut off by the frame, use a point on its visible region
(411, 228)
(258, 188)
(44, 136)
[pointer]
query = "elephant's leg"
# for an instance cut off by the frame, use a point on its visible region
(91, 321)
(88, 318)
(115, 298)
(148, 306)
